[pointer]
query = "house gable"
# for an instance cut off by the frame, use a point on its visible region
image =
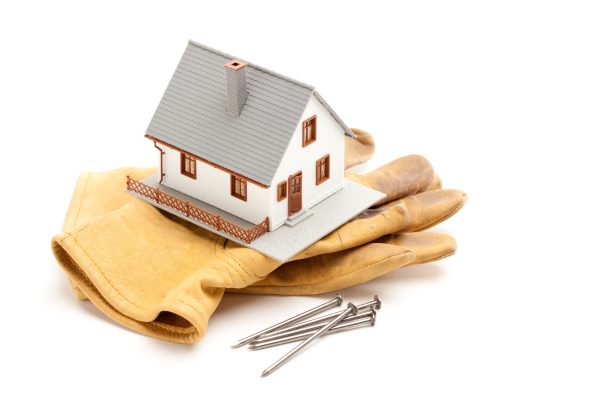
(192, 115)
(329, 141)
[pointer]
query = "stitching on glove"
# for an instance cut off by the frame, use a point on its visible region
(340, 238)
(448, 254)
(217, 251)
(232, 262)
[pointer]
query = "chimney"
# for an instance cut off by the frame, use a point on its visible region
(235, 75)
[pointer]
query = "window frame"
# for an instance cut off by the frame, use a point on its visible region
(305, 124)
(327, 160)
(282, 190)
(184, 157)
(244, 183)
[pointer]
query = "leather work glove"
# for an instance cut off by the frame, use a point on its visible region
(164, 277)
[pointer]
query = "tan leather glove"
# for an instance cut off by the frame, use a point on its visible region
(164, 277)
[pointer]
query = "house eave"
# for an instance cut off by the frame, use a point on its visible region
(336, 117)
(152, 138)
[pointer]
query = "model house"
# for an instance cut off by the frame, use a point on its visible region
(256, 149)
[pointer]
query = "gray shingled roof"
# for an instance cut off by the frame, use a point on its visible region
(192, 114)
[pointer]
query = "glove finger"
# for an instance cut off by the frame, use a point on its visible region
(329, 272)
(413, 213)
(425, 209)
(427, 246)
(397, 179)
(436, 183)
(358, 150)
(98, 193)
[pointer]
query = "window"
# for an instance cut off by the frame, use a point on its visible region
(309, 131)
(238, 188)
(322, 169)
(188, 166)
(281, 190)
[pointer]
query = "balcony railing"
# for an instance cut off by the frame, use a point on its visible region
(192, 211)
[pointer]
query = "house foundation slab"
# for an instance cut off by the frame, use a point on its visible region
(286, 241)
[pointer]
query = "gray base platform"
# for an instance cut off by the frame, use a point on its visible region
(286, 241)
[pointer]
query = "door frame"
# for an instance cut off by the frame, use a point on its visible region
(299, 194)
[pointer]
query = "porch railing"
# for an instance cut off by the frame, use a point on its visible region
(197, 213)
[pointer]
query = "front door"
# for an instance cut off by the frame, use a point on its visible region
(295, 193)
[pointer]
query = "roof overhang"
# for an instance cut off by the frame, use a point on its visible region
(206, 161)
(321, 100)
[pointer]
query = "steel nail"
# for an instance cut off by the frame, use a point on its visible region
(310, 328)
(342, 327)
(350, 310)
(375, 303)
(336, 301)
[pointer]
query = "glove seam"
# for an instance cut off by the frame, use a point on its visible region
(229, 258)
(340, 238)
(338, 276)
(81, 201)
(440, 257)
(219, 246)
(87, 180)
(234, 264)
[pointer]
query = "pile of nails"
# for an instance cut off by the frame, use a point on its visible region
(299, 329)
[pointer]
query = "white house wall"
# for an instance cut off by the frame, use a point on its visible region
(330, 140)
(213, 186)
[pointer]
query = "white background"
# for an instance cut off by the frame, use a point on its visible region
(503, 98)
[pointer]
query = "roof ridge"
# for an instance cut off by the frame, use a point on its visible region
(258, 67)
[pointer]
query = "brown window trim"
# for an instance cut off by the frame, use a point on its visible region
(281, 190)
(320, 179)
(242, 196)
(310, 121)
(184, 157)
